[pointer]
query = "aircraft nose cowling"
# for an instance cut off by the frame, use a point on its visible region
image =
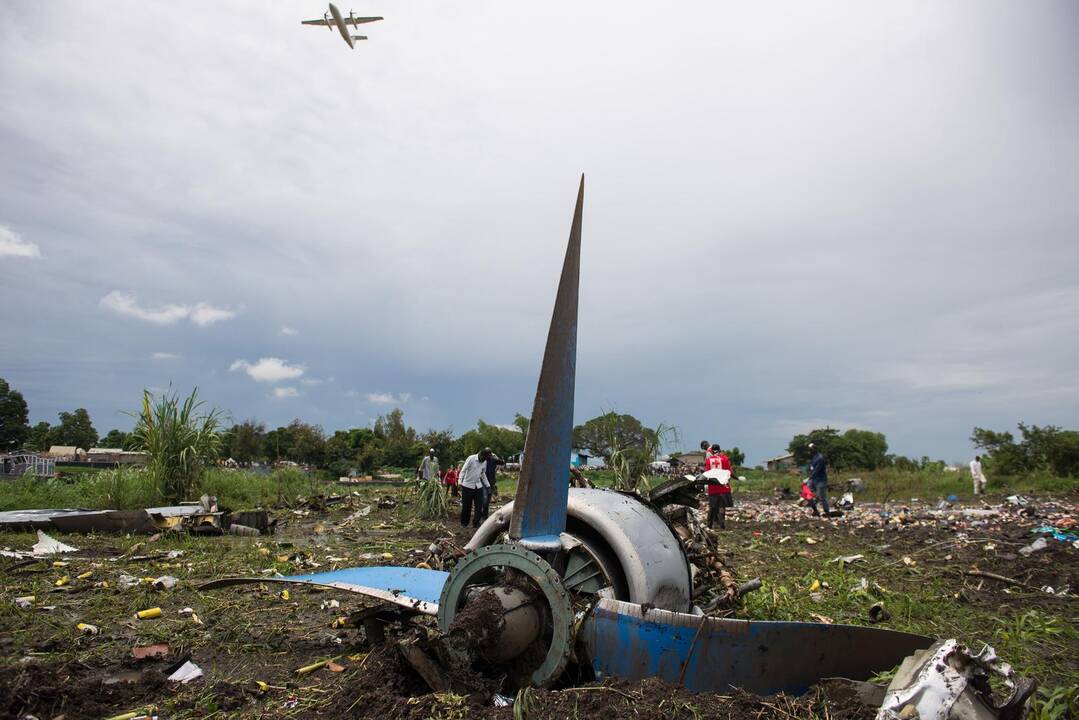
(630, 541)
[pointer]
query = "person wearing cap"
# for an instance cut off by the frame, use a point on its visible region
(818, 480)
(473, 482)
(719, 490)
(428, 469)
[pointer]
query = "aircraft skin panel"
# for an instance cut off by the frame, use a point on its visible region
(413, 588)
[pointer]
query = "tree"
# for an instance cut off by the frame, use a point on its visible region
(115, 439)
(505, 442)
(522, 423)
(854, 449)
(246, 441)
(39, 438)
(1045, 449)
(76, 430)
(14, 418)
(736, 456)
(823, 439)
(277, 444)
(610, 431)
(442, 442)
(400, 445)
(308, 443)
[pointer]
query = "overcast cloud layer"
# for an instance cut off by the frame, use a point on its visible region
(797, 214)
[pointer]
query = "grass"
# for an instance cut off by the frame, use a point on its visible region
(129, 489)
(253, 634)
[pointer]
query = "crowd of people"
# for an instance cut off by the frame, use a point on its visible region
(475, 481)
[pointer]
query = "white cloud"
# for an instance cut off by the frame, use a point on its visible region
(312, 381)
(269, 370)
(12, 245)
(287, 331)
(285, 392)
(202, 314)
(164, 356)
(388, 398)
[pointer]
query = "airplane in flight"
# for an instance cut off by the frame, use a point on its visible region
(334, 18)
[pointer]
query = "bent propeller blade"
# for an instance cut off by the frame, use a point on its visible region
(707, 654)
(539, 508)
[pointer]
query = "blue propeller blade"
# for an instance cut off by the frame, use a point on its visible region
(539, 509)
(716, 654)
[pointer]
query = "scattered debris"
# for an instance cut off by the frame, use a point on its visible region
(150, 651)
(948, 682)
(148, 614)
(186, 673)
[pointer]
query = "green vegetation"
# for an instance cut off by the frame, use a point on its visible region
(179, 440)
(1042, 449)
(433, 500)
(13, 418)
(130, 489)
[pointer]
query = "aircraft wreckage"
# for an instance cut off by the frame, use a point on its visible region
(595, 582)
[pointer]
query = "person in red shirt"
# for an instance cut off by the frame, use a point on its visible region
(450, 478)
(719, 492)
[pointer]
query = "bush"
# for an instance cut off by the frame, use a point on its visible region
(179, 441)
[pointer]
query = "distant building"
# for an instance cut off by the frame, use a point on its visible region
(66, 452)
(691, 458)
(117, 456)
(783, 462)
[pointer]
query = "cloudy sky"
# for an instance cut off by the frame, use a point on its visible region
(797, 214)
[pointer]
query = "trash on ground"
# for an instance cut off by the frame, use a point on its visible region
(186, 673)
(87, 629)
(149, 613)
(150, 651)
(1039, 544)
(165, 582)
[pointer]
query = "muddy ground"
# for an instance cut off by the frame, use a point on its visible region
(250, 641)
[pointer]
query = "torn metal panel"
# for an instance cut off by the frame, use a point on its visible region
(412, 588)
(715, 654)
(37, 519)
(133, 521)
(539, 516)
(949, 682)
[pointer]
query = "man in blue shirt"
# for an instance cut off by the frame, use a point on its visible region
(818, 480)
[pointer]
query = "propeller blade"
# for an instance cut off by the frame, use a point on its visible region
(716, 654)
(539, 508)
(413, 588)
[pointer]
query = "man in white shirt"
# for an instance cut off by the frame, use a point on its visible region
(428, 469)
(977, 475)
(474, 487)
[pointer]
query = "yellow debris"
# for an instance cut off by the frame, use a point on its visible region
(63, 581)
(149, 613)
(284, 595)
(815, 586)
(85, 575)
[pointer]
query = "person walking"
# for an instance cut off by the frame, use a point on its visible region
(818, 480)
(428, 469)
(977, 475)
(473, 482)
(719, 487)
(450, 478)
(490, 469)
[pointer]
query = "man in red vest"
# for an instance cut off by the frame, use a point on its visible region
(719, 489)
